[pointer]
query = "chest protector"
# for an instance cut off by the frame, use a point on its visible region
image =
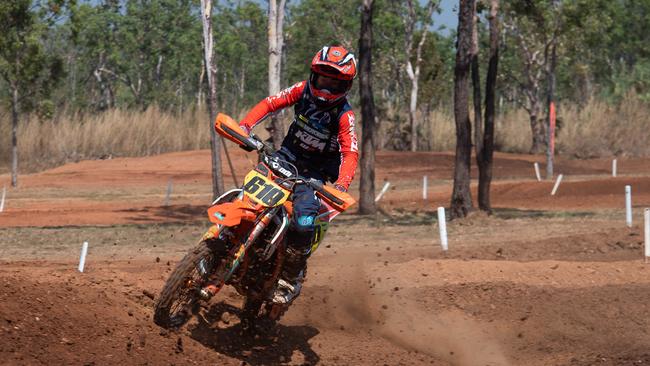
(314, 130)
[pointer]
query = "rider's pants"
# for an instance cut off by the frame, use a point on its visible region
(305, 209)
(305, 205)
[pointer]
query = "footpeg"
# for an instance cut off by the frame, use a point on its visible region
(209, 291)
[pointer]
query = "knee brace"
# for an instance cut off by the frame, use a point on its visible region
(301, 233)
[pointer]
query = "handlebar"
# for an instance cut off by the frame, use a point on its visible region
(230, 129)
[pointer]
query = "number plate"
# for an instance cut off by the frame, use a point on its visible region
(263, 191)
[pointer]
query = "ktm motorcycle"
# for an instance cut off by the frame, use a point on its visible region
(245, 246)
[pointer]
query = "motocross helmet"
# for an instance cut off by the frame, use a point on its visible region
(332, 71)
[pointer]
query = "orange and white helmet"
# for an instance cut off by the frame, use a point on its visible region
(333, 69)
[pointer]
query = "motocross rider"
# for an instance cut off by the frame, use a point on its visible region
(321, 143)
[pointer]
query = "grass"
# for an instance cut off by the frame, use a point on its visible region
(113, 133)
(595, 130)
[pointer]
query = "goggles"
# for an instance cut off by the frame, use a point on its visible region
(326, 83)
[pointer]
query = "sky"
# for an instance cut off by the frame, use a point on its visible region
(448, 16)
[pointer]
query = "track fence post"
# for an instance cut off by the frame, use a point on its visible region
(442, 225)
(425, 187)
(539, 177)
(82, 257)
(628, 206)
(383, 191)
(557, 184)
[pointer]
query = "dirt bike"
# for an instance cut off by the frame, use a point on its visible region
(245, 246)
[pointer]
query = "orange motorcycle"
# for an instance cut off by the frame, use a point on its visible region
(245, 246)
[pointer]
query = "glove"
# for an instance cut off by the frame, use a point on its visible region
(340, 188)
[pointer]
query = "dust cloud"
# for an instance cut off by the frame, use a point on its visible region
(449, 335)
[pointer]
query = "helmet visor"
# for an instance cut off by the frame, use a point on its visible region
(334, 86)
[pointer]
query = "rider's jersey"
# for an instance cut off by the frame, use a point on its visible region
(320, 137)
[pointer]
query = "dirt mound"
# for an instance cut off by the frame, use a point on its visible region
(73, 319)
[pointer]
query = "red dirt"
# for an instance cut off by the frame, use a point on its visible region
(561, 287)
(135, 187)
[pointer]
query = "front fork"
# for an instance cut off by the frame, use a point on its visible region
(226, 271)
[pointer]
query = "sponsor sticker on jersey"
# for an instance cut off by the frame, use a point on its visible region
(310, 141)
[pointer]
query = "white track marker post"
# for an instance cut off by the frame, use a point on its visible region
(614, 163)
(557, 184)
(82, 258)
(383, 191)
(169, 193)
(628, 206)
(646, 214)
(425, 187)
(2, 200)
(539, 177)
(442, 225)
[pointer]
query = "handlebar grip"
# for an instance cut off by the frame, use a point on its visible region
(268, 148)
(246, 142)
(318, 186)
(331, 197)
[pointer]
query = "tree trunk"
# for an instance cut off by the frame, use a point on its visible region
(14, 135)
(476, 86)
(537, 128)
(414, 73)
(211, 72)
(550, 150)
(412, 109)
(461, 198)
(199, 93)
(367, 186)
(276, 42)
(484, 157)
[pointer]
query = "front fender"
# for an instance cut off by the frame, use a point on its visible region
(231, 213)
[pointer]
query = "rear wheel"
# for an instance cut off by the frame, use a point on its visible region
(180, 298)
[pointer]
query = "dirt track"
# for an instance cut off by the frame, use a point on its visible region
(546, 281)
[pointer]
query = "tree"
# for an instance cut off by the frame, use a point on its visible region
(26, 67)
(461, 198)
(550, 150)
(367, 186)
(476, 83)
(133, 53)
(211, 72)
(242, 42)
(535, 27)
(276, 44)
(413, 73)
(485, 152)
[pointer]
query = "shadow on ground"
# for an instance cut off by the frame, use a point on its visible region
(274, 345)
(176, 213)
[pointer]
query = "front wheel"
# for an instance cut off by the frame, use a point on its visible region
(179, 298)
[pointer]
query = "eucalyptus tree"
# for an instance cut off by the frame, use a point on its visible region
(211, 71)
(485, 152)
(461, 197)
(27, 69)
(367, 203)
(413, 68)
(534, 27)
(242, 42)
(276, 44)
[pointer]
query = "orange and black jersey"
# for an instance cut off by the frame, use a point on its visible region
(317, 136)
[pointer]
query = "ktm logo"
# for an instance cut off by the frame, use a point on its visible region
(310, 140)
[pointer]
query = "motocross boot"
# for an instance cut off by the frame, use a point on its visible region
(292, 276)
